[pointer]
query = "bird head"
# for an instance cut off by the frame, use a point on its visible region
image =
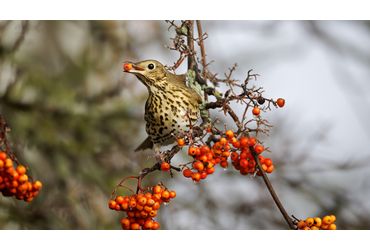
(149, 72)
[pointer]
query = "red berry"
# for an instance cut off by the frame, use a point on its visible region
(280, 102)
(165, 166)
(198, 165)
(196, 176)
(243, 142)
(192, 151)
(243, 163)
(252, 141)
(259, 149)
(187, 172)
(229, 134)
(180, 142)
(256, 111)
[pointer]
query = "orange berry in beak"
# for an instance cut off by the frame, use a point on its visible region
(127, 66)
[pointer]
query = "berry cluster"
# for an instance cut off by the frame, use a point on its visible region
(228, 146)
(317, 223)
(15, 182)
(243, 159)
(142, 208)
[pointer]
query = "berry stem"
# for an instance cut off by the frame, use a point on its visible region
(272, 191)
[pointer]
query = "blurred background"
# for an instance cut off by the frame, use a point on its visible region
(75, 120)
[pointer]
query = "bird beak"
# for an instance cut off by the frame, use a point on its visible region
(132, 68)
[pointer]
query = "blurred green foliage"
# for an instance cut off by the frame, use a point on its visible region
(73, 120)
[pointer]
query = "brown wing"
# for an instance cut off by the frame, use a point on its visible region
(176, 79)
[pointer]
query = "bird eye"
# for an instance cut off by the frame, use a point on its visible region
(151, 66)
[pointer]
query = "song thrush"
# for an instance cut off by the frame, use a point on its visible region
(170, 104)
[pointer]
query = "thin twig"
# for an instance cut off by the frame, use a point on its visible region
(202, 49)
(272, 191)
(190, 41)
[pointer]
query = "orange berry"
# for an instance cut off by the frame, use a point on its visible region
(229, 134)
(172, 194)
(233, 140)
(3, 156)
(150, 202)
(37, 185)
(226, 153)
(125, 223)
(234, 156)
(309, 222)
(180, 142)
(132, 203)
(195, 177)
(264, 167)
(203, 175)
(259, 149)
(23, 178)
(243, 142)
(333, 218)
(192, 151)
(198, 165)
(317, 221)
(143, 214)
(147, 209)
(157, 189)
(155, 225)
(112, 204)
(157, 197)
(243, 163)
(252, 141)
(205, 149)
(156, 205)
(119, 199)
(332, 227)
(187, 172)
(256, 111)
(210, 170)
(153, 213)
(224, 164)
(142, 201)
(165, 194)
(267, 161)
(270, 169)
(127, 66)
(325, 226)
(21, 170)
(203, 158)
(165, 166)
(327, 220)
(315, 228)
(197, 151)
(301, 224)
(124, 205)
(131, 214)
(8, 163)
(148, 224)
(236, 144)
(223, 141)
(280, 102)
(135, 226)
